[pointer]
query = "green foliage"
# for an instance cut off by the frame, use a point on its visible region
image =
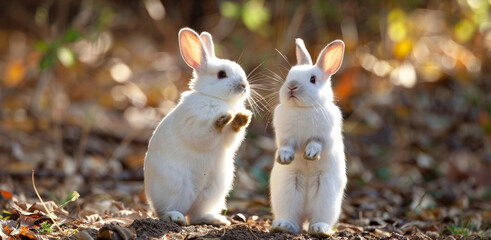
(253, 14)
(464, 30)
(230, 9)
(464, 228)
(71, 198)
(5, 215)
(105, 18)
(66, 56)
(459, 230)
(383, 173)
(57, 49)
(46, 227)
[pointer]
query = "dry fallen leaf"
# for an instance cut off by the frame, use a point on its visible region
(6, 194)
(14, 73)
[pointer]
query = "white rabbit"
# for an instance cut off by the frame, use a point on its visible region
(189, 165)
(309, 175)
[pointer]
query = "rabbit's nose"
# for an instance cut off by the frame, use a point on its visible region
(243, 85)
(292, 85)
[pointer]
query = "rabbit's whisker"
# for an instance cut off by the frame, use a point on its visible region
(283, 56)
(253, 70)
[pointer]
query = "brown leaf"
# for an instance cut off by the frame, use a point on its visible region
(14, 73)
(24, 231)
(6, 194)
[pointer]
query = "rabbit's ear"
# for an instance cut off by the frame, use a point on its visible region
(208, 41)
(331, 57)
(192, 49)
(303, 56)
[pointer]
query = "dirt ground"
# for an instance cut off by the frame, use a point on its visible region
(149, 228)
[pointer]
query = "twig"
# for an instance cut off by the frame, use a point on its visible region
(44, 205)
(254, 235)
(420, 201)
(248, 227)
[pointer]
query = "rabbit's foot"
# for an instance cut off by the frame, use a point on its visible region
(285, 155)
(241, 119)
(320, 229)
(281, 225)
(313, 151)
(222, 120)
(175, 216)
(212, 219)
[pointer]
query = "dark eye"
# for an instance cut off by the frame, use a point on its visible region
(312, 79)
(222, 74)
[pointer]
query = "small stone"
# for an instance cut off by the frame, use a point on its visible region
(381, 233)
(432, 234)
(253, 218)
(239, 217)
(344, 234)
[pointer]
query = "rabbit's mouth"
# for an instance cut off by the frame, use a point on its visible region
(291, 95)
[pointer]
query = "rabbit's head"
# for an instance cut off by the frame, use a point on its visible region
(309, 85)
(219, 78)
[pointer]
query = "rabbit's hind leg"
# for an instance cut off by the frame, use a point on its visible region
(172, 195)
(287, 199)
(207, 208)
(211, 201)
(324, 205)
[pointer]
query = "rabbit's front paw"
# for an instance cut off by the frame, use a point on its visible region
(280, 225)
(212, 219)
(241, 119)
(285, 155)
(313, 152)
(222, 120)
(175, 216)
(320, 230)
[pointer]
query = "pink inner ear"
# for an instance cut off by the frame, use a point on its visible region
(191, 50)
(208, 42)
(332, 59)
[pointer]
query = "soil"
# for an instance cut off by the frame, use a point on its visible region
(149, 228)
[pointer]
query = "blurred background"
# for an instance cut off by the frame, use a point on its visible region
(84, 83)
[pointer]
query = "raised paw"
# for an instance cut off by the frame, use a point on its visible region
(212, 219)
(222, 120)
(320, 230)
(175, 216)
(281, 225)
(241, 119)
(285, 155)
(313, 152)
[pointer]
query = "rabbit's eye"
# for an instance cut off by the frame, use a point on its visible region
(312, 79)
(222, 74)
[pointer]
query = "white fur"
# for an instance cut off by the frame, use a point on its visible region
(189, 165)
(309, 127)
